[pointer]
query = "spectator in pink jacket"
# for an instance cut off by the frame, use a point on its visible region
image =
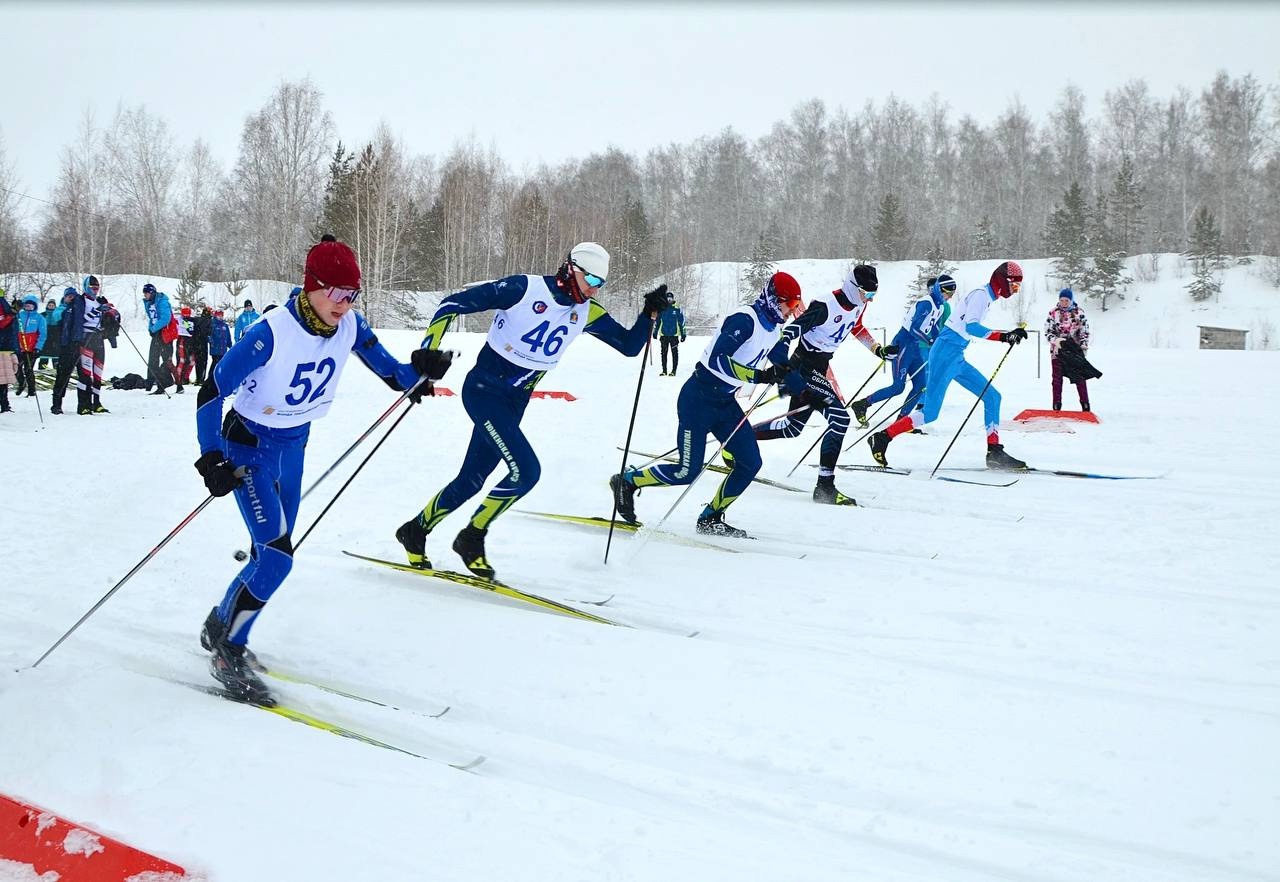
(1067, 326)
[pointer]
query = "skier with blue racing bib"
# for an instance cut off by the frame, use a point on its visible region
(537, 318)
(285, 372)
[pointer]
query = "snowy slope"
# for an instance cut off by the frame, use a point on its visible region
(1058, 680)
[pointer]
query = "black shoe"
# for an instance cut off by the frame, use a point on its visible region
(714, 525)
(826, 493)
(998, 459)
(1057, 405)
(860, 412)
(179, 391)
(414, 539)
(214, 632)
(157, 392)
(31, 394)
(624, 496)
(1085, 408)
(6, 409)
(879, 443)
(56, 409)
(231, 668)
(469, 544)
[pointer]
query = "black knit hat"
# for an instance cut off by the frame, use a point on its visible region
(865, 278)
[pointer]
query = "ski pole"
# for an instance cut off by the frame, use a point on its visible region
(770, 399)
(145, 361)
(347, 483)
(242, 555)
(710, 459)
(626, 445)
(31, 375)
(972, 409)
(871, 430)
(129, 575)
(852, 398)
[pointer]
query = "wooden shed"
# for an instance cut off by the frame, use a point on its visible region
(1221, 338)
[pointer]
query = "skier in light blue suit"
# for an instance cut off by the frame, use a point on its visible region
(946, 363)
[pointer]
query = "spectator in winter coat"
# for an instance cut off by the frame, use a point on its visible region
(160, 355)
(670, 328)
(8, 348)
(32, 331)
(201, 328)
(219, 340)
(1066, 322)
(93, 354)
(246, 318)
(183, 360)
(53, 337)
(69, 344)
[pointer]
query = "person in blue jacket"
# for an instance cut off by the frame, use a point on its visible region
(32, 330)
(160, 355)
(53, 323)
(69, 344)
(921, 328)
(246, 318)
(219, 339)
(670, 329)
(537, 318)
(284, 372)
(707, 405)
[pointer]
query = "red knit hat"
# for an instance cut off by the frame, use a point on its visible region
(331, 264)
(1009, 271)
(186, 310)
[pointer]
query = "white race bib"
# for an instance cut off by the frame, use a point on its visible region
(536, 331)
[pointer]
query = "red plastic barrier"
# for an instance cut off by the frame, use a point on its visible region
(1077, 415)
(31, 835)
(563, 396)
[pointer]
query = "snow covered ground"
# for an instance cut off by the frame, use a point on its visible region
(1059, 680)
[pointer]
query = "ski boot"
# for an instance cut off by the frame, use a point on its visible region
(469, 544)
(230, 668)
(98, 408)
(860, 412)
(214, 632)
(414, 539)
(624, 497)
(826, 493)
(179, 390)
(713, 524)
(84, 411)
(998, 459)
(879, 443)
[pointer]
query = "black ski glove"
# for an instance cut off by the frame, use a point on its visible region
(219, 473)
(773, 374)
(656, 300)
(1014, 337)
(431, 363)
(890, 351)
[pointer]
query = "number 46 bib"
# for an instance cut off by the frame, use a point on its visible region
(536, 331)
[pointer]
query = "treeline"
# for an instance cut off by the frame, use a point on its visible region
(888, 182)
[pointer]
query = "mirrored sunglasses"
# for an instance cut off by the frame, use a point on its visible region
(591, 278)
(342, 295)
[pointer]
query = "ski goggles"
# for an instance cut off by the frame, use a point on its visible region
(948, 287)
(341, 295)
(590, 278)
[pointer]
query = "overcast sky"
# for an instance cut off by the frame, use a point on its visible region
(544, 82)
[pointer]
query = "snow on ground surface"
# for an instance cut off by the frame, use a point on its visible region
(1059, 680)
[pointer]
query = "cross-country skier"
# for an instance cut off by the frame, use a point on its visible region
(826, 323)
(946, 363)
(286, 370)
(707, 405)
(922, 326)
(537, 318)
